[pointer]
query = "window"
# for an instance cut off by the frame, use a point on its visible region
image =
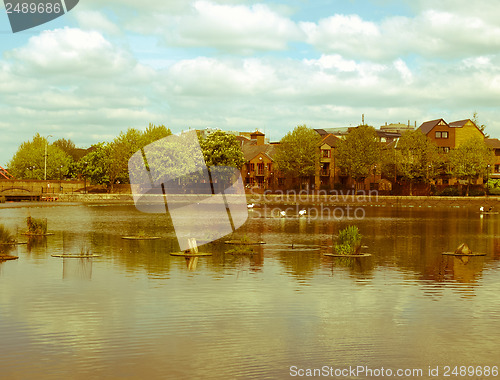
(269, 166)
(260, 168)
(325, 169)
(443, 149)
(442, 135)
(497, 168)
(326, 153)
(252, 167)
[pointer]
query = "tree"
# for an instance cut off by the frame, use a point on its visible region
(416, 157)
(124, 146)
(29, 160)
(482, 127)
(470, 160)
(93, 166)
(297, 153)
(68, 147)
(358, 152)
(154, 133)
(220, 148)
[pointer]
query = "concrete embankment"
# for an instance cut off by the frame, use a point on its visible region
(373, 200)
(273, 200)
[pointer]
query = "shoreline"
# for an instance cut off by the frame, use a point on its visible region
(261, 200)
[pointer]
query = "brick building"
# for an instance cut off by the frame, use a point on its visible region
(258, 170)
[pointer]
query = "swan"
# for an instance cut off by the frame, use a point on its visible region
(283, 214)
(302, 212)
(251, 205)
(481, 208)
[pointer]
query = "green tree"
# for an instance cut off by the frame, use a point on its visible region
(358, 152)
(29, 160)
(220, 148)
(154, 133)
(416, 157)
(68, 147)
(93, 166)
(470, 160)
(297, 153)
(119, 151)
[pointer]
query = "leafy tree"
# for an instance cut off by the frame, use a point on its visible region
(29, 161)
(68, 147)
(154, 133)
(482, 127)
(93, 166)
(416, 157)
(297, 153)
(470, 160)
(358, 152)
(220, 148)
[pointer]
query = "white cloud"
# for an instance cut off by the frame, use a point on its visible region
(236, 27)
(432, 34)
(95, 20)
(231, 64)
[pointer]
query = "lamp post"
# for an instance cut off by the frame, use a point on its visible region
(487, 178)
(85, 177)
(46, 143)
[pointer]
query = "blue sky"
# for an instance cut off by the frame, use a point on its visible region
(109, 65)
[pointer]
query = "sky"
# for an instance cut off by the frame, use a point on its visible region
(110, 65)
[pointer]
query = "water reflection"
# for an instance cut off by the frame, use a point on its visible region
(77, 268)
(140, 312)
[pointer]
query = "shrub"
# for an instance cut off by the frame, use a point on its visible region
(494, 191)
(3, 199)
(348, 241)
(5, 236)
(449, 191)
(476, 193)
(36, 226)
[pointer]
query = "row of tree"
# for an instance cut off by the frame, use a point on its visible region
(412, 158)
(107, 162)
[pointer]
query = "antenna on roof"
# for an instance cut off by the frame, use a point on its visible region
(363, 119)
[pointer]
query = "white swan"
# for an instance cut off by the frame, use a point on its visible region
(481, 208)
(302, 212)
(251, 205)
(283, 214)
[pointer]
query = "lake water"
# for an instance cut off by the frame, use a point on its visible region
(137, 312)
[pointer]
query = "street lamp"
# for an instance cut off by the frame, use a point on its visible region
(85, 177)
(46, 143)
(487, 178)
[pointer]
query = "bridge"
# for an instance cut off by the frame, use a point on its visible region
(5, 174)
(37, 190)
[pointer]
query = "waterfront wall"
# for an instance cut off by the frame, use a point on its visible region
(317, 200)
(374, 201)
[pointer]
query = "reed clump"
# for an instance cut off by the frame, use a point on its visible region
(36, 226)
(349, 241)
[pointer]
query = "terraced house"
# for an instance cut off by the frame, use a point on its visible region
(258, 170)
(449, 136)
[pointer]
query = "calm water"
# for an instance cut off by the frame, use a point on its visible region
(137, 312)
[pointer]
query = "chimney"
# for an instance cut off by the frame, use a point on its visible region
(259, 137)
